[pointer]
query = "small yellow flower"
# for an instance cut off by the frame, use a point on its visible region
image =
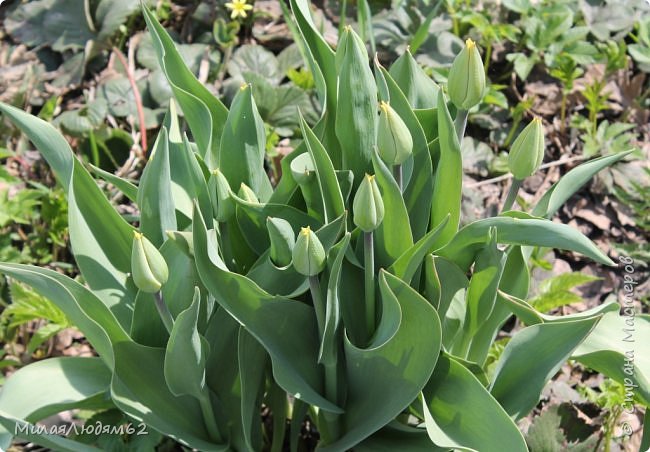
(238, 8)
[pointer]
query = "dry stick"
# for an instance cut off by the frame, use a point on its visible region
(544, 166)
(138, 100)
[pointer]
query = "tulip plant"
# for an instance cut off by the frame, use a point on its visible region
(349, 293)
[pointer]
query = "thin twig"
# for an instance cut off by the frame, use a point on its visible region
(544, 166)
(138, 100)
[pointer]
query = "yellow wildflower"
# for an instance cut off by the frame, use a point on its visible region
(238, 8)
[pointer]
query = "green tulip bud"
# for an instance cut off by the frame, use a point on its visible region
(308, 253)
(222, 204)
(148, 266)
(368, 207)
(527, 151)
(282, 240)
(394, 140)
(466, 81)
(247, 194)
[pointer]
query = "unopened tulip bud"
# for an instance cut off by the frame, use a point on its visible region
(222, 204)
(148, 266)
(308, 253)
(368, 207)
(466, 80)
(394, 140)
(527, 151)
(282, 241)
(247, 194)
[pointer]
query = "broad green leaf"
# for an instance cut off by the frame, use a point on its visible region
(408, 263)
(28, 431)
(129, 189)
(157, 214)
(242, 150)
(251, 218)
(393, 236)
(330, 190)
(519, 231)
(205, 114)
(331, 340)
(186, 353)
(448, 181)
(616, 348)
(518, 381)
(283, 281)
(403, 351)
(71, 381)
(482, 290)
(451, 279)
(364, 17)
(452, 424)
(396, 436)
(147, 327)
(100, 237)
(285, 328)
(144, 395)
(356, 116)
(188, 181)
(571, 182)
(419, 89)
(80, 305)
(253, 361)
(419, 185)
(178, 291)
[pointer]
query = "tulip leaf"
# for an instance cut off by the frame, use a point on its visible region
(518, 381)
(144, 395)
(186, 353)
(157, 213)
(330, 190)
(252, 370)
(525, 230)
(615, 349)
(448, 181)
(100, 237)
(393, 236)
(396, 436)
(242, 150)
(571, 182)
(84, 309)
(403, 351)
(451, 425)
(356, 116)
(146, 327)
(127, 188)
(30, 432)
(407, 264)
(205, 114)
(285, 328)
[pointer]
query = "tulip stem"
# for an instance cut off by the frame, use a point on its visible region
(319, 305)
(164, 313)
(369, 266)
(460, 123)
(397, 173)
(512, 194)
(208, 417)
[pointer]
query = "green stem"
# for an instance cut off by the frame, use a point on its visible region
(512, 194)
(164, 313)
(511, 134)
(460, 123)
(369, 278)
(488, 57)
(93, 148)
(563, 111)
(208, 417)
(342, 15)
(397, 173)
(319, 305)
